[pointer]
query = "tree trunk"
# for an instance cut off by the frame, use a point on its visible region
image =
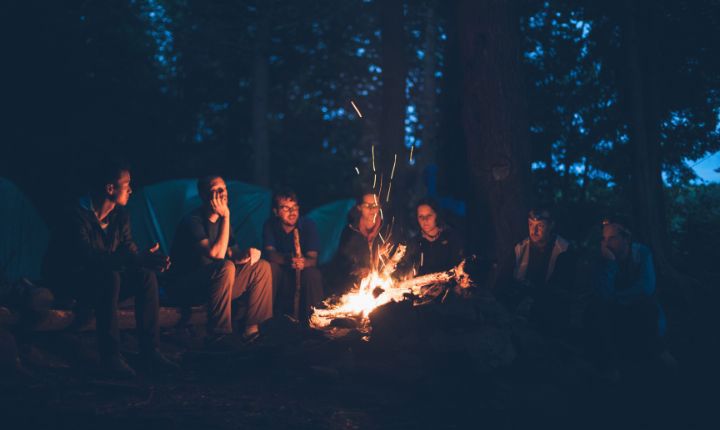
(427, 106)
(494, 121)
(394, 72)
(639, 92)
(261, 143)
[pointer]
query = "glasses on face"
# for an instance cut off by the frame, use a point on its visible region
(370, 206)
(289, 209)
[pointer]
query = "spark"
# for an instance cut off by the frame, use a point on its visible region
(411, 152)
(383, 240)
(387, 199)
(381, 215)
(374, 180)
(356, 108)
(357, 170)
(422, 254)
(372, 151)
(392, 173)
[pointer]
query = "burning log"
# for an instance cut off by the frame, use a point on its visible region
(457, 273)
(378, 289)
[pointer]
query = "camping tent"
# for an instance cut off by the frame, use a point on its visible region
(156, 210)
(23, 234)
(330, 220)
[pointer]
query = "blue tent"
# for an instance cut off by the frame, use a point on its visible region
(23, 234)
(156, 210)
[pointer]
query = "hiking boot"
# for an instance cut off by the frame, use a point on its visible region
(117, 368)
(249, 338)
(155, 361)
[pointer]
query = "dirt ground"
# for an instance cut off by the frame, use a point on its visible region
(298, 378)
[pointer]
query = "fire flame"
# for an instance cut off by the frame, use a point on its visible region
(376, 289)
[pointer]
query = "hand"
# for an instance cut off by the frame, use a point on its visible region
(298, 263)
(251, 256)
(254, 255)
(154, 259)
(219, 205)
(606, 253)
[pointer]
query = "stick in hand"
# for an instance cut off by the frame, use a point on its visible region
(298, 254)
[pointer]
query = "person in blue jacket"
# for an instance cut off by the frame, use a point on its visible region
(628, 317)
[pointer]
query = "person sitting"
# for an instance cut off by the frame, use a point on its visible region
(627, 320)
(359, 245)
(279, 250)
(209, 266)
(437, 247)
(542, 274)
(92, 258)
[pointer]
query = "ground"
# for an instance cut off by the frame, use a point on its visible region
(298, 378)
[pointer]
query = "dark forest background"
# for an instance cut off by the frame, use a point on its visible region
(591, 107)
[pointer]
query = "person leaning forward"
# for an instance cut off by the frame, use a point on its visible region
(279, 249)
(92, 258)
(209, 266)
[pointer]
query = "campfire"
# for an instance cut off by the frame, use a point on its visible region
(378, 288)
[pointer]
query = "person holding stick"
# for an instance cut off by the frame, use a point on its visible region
(291, 245)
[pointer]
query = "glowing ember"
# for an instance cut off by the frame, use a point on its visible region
(356, 108)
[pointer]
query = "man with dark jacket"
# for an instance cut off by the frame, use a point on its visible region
(92, 257)
(540, 279)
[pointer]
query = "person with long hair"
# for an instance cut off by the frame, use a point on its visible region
(437, 247)
(359, 243)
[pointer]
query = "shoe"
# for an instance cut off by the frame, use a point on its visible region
(219, 343)
(250, 338)
(117, 368)
(155, 361)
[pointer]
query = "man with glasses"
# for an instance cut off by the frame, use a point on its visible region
(209, 266)
(279, 250)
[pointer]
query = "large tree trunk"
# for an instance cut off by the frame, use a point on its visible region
(494, 121)
(394, 73)
(639, 92)
(427, 107)
(260, 138)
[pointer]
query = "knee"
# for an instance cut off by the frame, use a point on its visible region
(224, 269)
(263, 268)
(148, 278)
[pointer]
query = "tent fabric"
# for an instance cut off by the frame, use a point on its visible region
(23, 234)
(330, 220)
(156, 210)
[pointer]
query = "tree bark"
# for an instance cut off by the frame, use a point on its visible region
(639, 92)
(394, 73)
(495, 122)
(260, 135)
(427, 106)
